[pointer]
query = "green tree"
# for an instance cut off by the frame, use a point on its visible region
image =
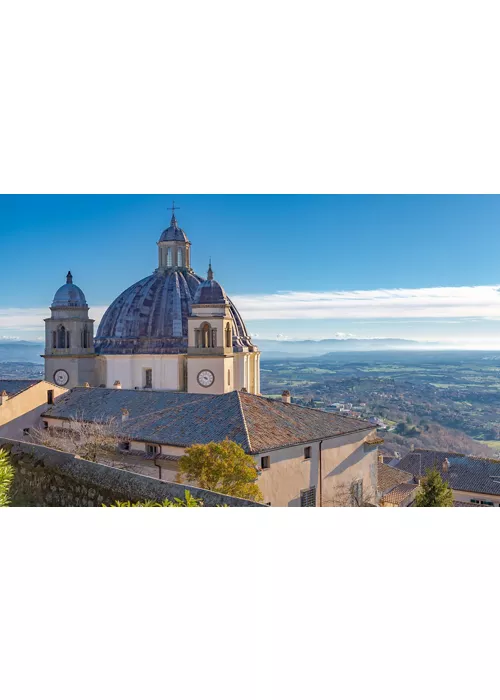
(6, 478)
(434, 492)
(223, 467)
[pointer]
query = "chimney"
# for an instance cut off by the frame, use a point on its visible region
(244, 390)
(117, 384)
(446, 465)
(286, 396)
(125, 414)
(3, 397)
(380, 458)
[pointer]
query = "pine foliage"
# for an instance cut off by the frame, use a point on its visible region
(434, 492)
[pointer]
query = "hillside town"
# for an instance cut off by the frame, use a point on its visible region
(172, 367)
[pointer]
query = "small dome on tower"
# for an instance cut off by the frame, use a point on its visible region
(210, 291)
(69, 295)
(173, 232)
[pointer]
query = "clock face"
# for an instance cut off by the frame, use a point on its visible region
(61, 377)
(206, 378)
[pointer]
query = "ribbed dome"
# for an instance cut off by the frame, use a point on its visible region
(69, 295)
(151, 316)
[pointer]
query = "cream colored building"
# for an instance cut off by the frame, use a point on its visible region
(21, 404)
(303, 456)
(171, 331)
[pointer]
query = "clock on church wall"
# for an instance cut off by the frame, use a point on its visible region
(206, 378)
(61, 377)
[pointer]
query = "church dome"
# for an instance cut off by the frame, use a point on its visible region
(69, 295)
(210, 291)
(151, 317)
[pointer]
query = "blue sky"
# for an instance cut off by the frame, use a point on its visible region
(423, 267)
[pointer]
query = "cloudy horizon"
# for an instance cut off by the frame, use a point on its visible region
(449, 315)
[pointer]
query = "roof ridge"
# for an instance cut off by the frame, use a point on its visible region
(310, 408)
(247, 432)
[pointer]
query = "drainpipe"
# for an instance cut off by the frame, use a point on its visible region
(320, 476)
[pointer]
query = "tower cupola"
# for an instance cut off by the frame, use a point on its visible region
(174, 247)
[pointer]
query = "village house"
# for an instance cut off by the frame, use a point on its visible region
(475, 481)
(22, 401)
(304, 456)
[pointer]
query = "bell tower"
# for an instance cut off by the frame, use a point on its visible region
(69, 356)
(210, 358)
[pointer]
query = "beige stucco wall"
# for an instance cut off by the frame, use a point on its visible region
(343, 460)
(466, 496)
(129, 370)
(23, 410)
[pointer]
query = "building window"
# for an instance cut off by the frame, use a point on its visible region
(357, 492)
(61, 337)
(229, 336)
(481, 503)
(45, 425)
(50, 397)
(26, 431)
(308, 498)
(267, 503)
(152, 449)
(54, 339)
(265, 462)
(307, 453)
(206, 337)
(125, 446)
(169, 257)
(148, 378)
(179, 257)
(86, 341)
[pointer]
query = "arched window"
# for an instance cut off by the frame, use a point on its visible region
(68, 339)
(169, 257)
(229, 336)
(86, 340)
(205, 335)
(179, 257)
(54, 339)
(61, 337)
(213, 339)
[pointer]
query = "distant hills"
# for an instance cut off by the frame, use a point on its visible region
(21, 351)
(309, 348)
(28, 351)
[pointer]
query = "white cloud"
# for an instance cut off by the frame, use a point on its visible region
(430, 302)
(26, 320)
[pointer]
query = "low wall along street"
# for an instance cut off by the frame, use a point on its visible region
(45, 477)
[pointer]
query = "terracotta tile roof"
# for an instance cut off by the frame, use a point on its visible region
(464, 473)
(389, 477)
(16, 386)
(176, 418)
(402, 494)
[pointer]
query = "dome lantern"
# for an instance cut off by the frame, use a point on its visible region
(174, 247)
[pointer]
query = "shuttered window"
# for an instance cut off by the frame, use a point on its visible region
(308, 498)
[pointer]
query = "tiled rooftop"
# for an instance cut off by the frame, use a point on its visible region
(15, 386)
(464, 473)
(389, 477)
(256, 423)
(401, 493)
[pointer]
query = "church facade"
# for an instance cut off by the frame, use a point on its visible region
(171, 331)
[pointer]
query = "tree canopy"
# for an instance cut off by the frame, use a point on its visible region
(223, 467)
(434, 492)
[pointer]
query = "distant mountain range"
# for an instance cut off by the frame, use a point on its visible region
(311, 348)
(27, 351)
(21, 351)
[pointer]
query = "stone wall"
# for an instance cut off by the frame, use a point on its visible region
(45, 477)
